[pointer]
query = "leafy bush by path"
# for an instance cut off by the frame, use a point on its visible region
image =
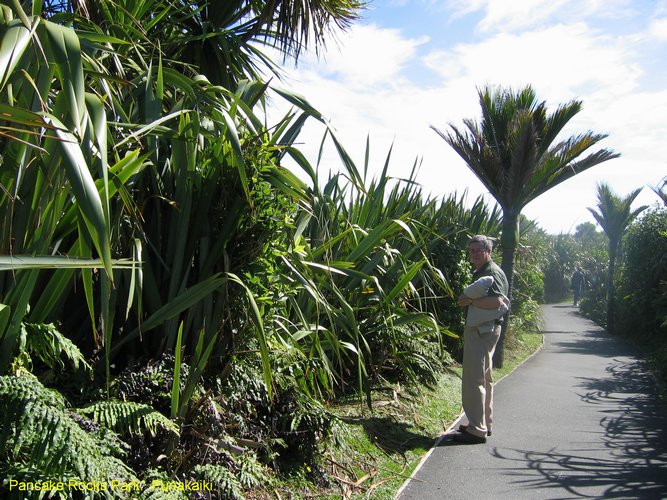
(642, 304)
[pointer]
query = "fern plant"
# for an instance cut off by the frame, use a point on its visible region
(129, 417)
(227, 484)
(41, 440)
(47, 343)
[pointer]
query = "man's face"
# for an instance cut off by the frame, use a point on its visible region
(478, 256)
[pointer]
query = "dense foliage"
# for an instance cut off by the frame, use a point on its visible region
(586, 248)
(642, 308)
(640, 278)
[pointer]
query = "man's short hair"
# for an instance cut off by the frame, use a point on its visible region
(485, 241)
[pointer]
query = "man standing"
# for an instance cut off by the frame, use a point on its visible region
(577, 285)
(479, 342)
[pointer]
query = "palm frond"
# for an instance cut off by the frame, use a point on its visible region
(552, 126)
(482, 159)
(614, 213)
(661, 191)
(522, 146)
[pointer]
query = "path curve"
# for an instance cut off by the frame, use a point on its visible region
(580, 419)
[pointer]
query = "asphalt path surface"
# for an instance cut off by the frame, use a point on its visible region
(580, 419)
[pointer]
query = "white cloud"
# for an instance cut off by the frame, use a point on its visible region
(559, 61)
(660, 7)
(514, 15)
(504, 15)
(658, 29)
(461, 8)
(372, 87)
(362, 59)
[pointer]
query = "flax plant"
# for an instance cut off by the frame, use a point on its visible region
(54, 203)
(370, 300)
(54, 176)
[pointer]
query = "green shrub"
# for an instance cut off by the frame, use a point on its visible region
(642, 295)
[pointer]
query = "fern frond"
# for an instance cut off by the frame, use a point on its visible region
(37, 433)
(17, 391)
(29, 475)
(49, 345)
(228, 485)
(128, 416)
(149, 492)
(253, 472)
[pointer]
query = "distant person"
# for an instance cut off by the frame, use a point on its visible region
(577, 285)
(479, 343)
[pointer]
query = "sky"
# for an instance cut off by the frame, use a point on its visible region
(407, 65)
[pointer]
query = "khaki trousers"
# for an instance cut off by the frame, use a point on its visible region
(479, 342)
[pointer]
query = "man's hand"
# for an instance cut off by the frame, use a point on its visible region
(464, 300)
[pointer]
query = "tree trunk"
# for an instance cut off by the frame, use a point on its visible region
(610, 288)
(508, 241)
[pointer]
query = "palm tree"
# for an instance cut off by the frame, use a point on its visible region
(512, 152)
(661, 191)
(221, 40)
(614, 215)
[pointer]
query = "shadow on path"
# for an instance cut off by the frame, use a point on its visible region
(557, 471)
(631, 431)
(588, 342)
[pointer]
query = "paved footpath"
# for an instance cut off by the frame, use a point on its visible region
(580, 419)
